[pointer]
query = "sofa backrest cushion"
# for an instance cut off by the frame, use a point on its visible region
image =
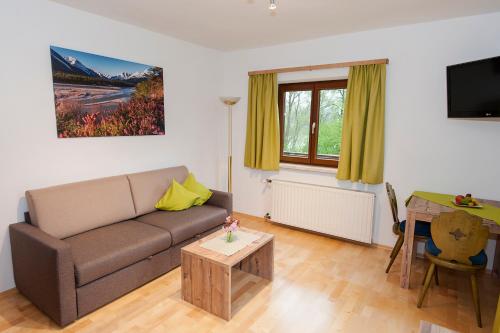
(148, 187)
(66, 210)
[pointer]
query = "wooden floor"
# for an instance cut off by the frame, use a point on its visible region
(320, 285)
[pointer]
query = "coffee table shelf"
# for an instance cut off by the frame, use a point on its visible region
(206, 274)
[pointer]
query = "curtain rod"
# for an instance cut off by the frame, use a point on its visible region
(318, 67)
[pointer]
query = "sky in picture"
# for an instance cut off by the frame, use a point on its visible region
(105, 65)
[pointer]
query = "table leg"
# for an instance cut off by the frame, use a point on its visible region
(206, 285)
(496, 262)
(260, 263)
(407, 251)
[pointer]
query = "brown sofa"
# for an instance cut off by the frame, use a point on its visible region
(91, 242)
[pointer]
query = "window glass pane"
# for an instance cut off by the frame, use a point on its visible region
(331, 112)
(297, 119)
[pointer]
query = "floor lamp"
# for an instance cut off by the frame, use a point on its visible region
(230, 101)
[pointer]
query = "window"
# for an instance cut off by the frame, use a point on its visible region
(311, 117)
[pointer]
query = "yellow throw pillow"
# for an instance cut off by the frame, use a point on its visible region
(191, 184)
(177, 198)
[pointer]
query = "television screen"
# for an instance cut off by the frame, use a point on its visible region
(474, 89)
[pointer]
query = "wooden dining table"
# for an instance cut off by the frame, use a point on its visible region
(425, 210)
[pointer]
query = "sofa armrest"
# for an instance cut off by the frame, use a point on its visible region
(222, 199)
(44, 271)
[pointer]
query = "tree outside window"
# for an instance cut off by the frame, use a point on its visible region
(311, 116)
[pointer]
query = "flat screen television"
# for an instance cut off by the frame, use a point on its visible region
(474, 89)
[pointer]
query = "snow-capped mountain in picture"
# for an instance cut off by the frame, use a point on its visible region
(75, 63)
(135, 75)
(62, 65)
(103, 75)
(102, 96)
(72, 65)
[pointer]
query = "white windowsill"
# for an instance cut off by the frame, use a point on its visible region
(310, 168)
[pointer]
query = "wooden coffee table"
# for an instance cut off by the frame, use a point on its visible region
(206, 274)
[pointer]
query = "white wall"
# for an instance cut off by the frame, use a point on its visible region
(30, 154)
(424, 150)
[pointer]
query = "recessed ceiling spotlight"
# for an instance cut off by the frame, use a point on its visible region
(272, 4)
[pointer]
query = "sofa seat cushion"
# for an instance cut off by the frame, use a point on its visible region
(102, 251)
(187, 223)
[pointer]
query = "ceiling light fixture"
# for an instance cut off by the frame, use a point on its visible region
(272, 4)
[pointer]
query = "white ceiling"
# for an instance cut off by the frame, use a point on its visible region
(241, 24)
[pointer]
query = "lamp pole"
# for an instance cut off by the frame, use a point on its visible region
(230, 101)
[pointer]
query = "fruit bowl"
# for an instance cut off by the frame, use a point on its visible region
(467, 206)
(466, 201)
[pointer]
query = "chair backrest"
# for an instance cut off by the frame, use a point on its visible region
(393, 202)
(459, 235)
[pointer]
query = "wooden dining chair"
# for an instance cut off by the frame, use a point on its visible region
(422, 229)
(457, 242)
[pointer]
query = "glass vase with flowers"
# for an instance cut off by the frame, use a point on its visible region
(230, 227)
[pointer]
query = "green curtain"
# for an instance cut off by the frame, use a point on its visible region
(262, 148)
(362, 146)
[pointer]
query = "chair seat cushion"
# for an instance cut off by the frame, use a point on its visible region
(188, 223)
(104, 250)
(422, 228)
(478, 259)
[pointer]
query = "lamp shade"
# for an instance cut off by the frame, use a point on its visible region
(228, 100)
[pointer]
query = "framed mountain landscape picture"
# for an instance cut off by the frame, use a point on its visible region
(102, 96)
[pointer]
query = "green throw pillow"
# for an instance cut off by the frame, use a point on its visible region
(177, 198)
(192, 185)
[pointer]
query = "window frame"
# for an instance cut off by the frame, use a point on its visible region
(315, 88)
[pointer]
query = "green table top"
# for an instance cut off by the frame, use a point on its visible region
(488, 212)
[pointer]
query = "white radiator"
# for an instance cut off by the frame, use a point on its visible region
(329, 210)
